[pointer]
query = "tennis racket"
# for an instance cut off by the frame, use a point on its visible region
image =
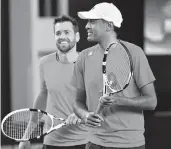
(117, 69)
(28, 124)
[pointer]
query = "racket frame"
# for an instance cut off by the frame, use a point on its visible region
(52, 128)
(106, 83)
(105, 80)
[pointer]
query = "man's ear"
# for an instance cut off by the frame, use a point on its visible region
(77, 36)
(109, 26)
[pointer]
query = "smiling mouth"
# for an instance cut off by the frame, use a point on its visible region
(63, 42)
(89, 33)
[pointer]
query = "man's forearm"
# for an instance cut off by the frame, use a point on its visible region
(80, 109)
(141, 102)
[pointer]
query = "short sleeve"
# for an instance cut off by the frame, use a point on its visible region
(43, 87)
(78, 73)
(142, 71)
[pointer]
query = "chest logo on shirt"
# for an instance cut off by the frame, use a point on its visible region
(90, 53)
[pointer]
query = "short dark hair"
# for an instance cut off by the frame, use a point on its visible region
(66, 18)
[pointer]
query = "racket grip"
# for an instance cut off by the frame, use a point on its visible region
(99, 108)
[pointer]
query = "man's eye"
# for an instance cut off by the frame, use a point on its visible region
(66, 32)
(58, 33)
(92, 21)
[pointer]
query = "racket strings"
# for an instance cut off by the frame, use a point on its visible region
(23, 125)
(117, 68)
(12, 126)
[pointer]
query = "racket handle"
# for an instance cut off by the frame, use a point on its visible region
(99, 108)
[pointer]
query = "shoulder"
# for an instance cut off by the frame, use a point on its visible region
(88, 51)
(134, 50)
(47, 58)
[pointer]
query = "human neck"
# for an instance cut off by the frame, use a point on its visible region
(106, 41)
(68, 57)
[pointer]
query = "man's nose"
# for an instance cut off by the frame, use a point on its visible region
(62, 36)
(87, 25)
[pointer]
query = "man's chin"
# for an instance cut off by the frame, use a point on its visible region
(64, 50)
(90, 39)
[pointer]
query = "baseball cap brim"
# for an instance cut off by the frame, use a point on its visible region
(87, 15)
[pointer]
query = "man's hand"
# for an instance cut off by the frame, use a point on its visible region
(24, 145)
(93, 120)
(73, 120)
(107, 100)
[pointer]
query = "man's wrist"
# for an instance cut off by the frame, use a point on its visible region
(85, 116)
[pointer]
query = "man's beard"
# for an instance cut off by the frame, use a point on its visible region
(65, 49)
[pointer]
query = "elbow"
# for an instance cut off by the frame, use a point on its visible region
(153, 104)
(153, 107)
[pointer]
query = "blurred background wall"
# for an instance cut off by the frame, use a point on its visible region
(27, 35)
